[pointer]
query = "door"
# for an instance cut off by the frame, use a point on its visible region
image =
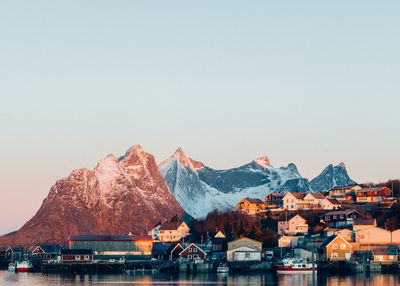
(347, 256)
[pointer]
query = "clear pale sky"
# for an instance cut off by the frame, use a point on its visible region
(309, 82)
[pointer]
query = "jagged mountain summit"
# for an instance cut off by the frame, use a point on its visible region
(200, 189)
(120, 195)
(330, 177)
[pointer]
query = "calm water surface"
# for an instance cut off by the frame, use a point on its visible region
(34, 279)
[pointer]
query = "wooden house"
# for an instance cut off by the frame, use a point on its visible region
(274, 200)
(173, 231)
(340, 192)
(330, 204)
(219, 243)
(373, 195)
(193, 252)
(153, 232)
(293, 201)
(44, 251)
(373, 236)
(385, 256)
(336, 248)
(76, 255)
(162, 251)
(313, 200)
(250, 206)
(294, 225)
(340, 219)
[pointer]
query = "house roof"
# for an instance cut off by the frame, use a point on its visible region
(277, 194)
(345, 212)
(386, 251)
(162, 248)
(52, 248)
(332, 238)
(110, 237)
(194, 244)
(344, 187)
(374, 189)
(254, 201)
(76, 251)
(172, 225)
(365, 221)
(333, 201)
(318, 195)
(297, 195)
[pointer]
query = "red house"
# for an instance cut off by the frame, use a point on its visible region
(193, 252)
(372, 195)
(76, 255)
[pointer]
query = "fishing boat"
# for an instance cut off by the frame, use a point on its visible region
(295, 266)
(222, 268)
(24, 266)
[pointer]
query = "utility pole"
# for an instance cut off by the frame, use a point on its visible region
(313, 266)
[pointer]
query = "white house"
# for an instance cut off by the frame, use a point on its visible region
(173, 231)
(293, 201)
(154, 231)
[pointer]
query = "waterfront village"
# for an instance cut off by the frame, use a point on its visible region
(348, 228)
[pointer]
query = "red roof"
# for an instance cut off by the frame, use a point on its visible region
(254, 201)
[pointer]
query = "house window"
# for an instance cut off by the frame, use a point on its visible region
(391, 257)
(189, 256)
(194, 249)
(342, 246)
(86, 257)
(195, 256)
(327, 218)
(334, 246)
(334, 255)
(77, 257)
(190, 250)
(247, 255)
(334, 217)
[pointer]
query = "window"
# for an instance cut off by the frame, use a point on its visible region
(334, 255)
(334, 217)
(86, 257)
(194, 249)
(189, 256)
(391, 257)
(190, 249)
(334, 246)
(342, 246)
(247, 255)
(77, 257)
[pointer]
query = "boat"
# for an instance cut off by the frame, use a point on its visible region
(24, 266)
(11, 267)
(222, 268)
(295, 266)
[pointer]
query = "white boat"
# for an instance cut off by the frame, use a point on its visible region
(222, 268)
(295, 266)
(24, 266)
(11, 267)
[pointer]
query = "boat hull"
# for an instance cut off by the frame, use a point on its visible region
(23, 269)
(291, 270)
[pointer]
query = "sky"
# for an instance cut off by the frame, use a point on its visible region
(308, 82)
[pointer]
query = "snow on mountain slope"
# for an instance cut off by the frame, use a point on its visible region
(201, 189)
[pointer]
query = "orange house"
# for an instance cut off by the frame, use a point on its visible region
(250, 206)
(337, 248)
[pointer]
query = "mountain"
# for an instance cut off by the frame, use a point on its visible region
(331, 176)
(120, 195)
(200, 189)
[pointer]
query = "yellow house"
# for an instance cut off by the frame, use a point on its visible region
(385, 256)
(295, 225)
(251, 206)
(337, 248)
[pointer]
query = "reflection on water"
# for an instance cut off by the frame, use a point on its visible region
(34, 279)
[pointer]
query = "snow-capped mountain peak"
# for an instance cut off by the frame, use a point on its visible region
(183, 160)
(263, 162)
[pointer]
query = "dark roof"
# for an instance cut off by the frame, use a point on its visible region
(254, 201)
(318, 195)
(76, 251)
(345, 212)
(162, 248)
(298, 195)
(110, 237)
(173, 225)
(386, 251)
(375, 189)
(365, 221)
(52, 248)
(344, 187)
(333, 201)
(277, 194)
(329, 240)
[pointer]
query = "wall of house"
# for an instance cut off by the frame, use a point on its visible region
(337, 250)
(374, 235)
(127, 247)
